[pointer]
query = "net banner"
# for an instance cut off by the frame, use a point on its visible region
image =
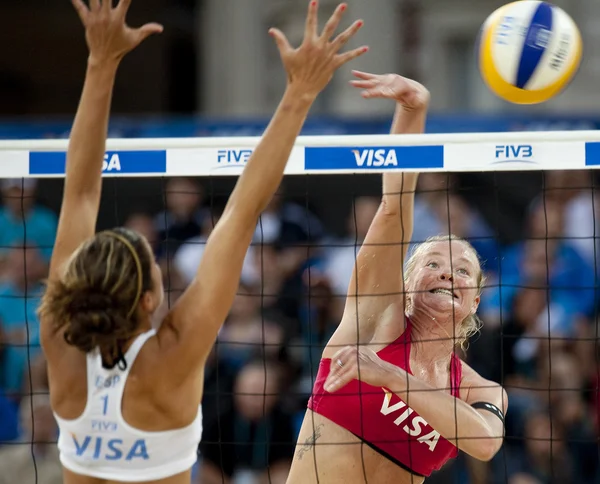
(321, 154)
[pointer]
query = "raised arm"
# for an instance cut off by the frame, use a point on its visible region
(108, 39)
(190, 329)
(378, 281)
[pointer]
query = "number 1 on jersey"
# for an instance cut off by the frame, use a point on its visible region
(105, 405)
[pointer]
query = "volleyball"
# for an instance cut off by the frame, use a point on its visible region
(528, 51)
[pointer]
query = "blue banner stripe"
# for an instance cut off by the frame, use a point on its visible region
(372, 157)
(115, 162)
(592, 154)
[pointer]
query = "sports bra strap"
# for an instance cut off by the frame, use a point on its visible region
(455, 374)
(136, 346)
(401, 345)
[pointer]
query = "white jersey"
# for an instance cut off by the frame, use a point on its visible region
(101, 444)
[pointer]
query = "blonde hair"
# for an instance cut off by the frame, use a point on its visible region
(472, 324)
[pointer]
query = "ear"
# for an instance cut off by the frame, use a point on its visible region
(476, 304)
(147, 302)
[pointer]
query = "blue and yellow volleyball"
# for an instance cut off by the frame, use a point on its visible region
(528, 51)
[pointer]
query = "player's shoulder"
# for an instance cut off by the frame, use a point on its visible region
(470, 378)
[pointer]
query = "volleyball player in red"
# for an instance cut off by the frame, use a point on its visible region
(389, 377)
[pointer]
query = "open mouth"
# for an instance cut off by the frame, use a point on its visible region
(446, 292)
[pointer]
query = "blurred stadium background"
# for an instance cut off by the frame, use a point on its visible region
(215, 72)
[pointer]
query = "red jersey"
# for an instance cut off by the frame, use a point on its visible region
(383, 420)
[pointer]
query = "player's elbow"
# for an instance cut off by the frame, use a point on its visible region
(243, 215)
(390, 205)
(245, 207)
(486, 448)
(393, 203)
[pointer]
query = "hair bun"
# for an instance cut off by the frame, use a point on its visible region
(88, 300)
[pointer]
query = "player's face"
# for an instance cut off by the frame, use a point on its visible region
(445, 281)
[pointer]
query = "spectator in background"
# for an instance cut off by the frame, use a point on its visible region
(9, 407)
(432, 188)
(528, 303)
(219, 382)
(567, 406)
(270, 277)
(19, 298)
(38, 441)
(248, 332)
(320, 318)
(173, 281)
(22, 219)
(280, 250)
(253, 440)
(573, 191)
(289, 226)
(340, 257)
(189, 254)
(174, 286)
(543, 457)
(39, 375)
(545, 256)
(183, 216)
(440, 209)
(9, 420)
(289, 230)
(144, 224)
(464, 221)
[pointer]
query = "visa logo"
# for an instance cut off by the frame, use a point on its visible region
(233, 156)
(111, 162)
(112, 449)
(514, 153)
(375, 158)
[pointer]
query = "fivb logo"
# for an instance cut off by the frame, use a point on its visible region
(375, 157)
(232, 158)
(514, 153)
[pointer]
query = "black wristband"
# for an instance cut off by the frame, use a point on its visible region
(490, 408)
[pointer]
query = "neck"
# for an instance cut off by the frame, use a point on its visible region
(432, 338)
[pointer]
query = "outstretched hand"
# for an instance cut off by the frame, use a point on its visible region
(410, 94)
(311, 66)
(108, 37)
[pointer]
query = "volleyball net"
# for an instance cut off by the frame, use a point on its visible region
(526, 201)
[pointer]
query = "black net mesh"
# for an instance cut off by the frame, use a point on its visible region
(536, 236)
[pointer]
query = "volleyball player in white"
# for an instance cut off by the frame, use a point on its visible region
(126, 397)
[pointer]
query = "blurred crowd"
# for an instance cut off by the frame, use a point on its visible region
(539, 339)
